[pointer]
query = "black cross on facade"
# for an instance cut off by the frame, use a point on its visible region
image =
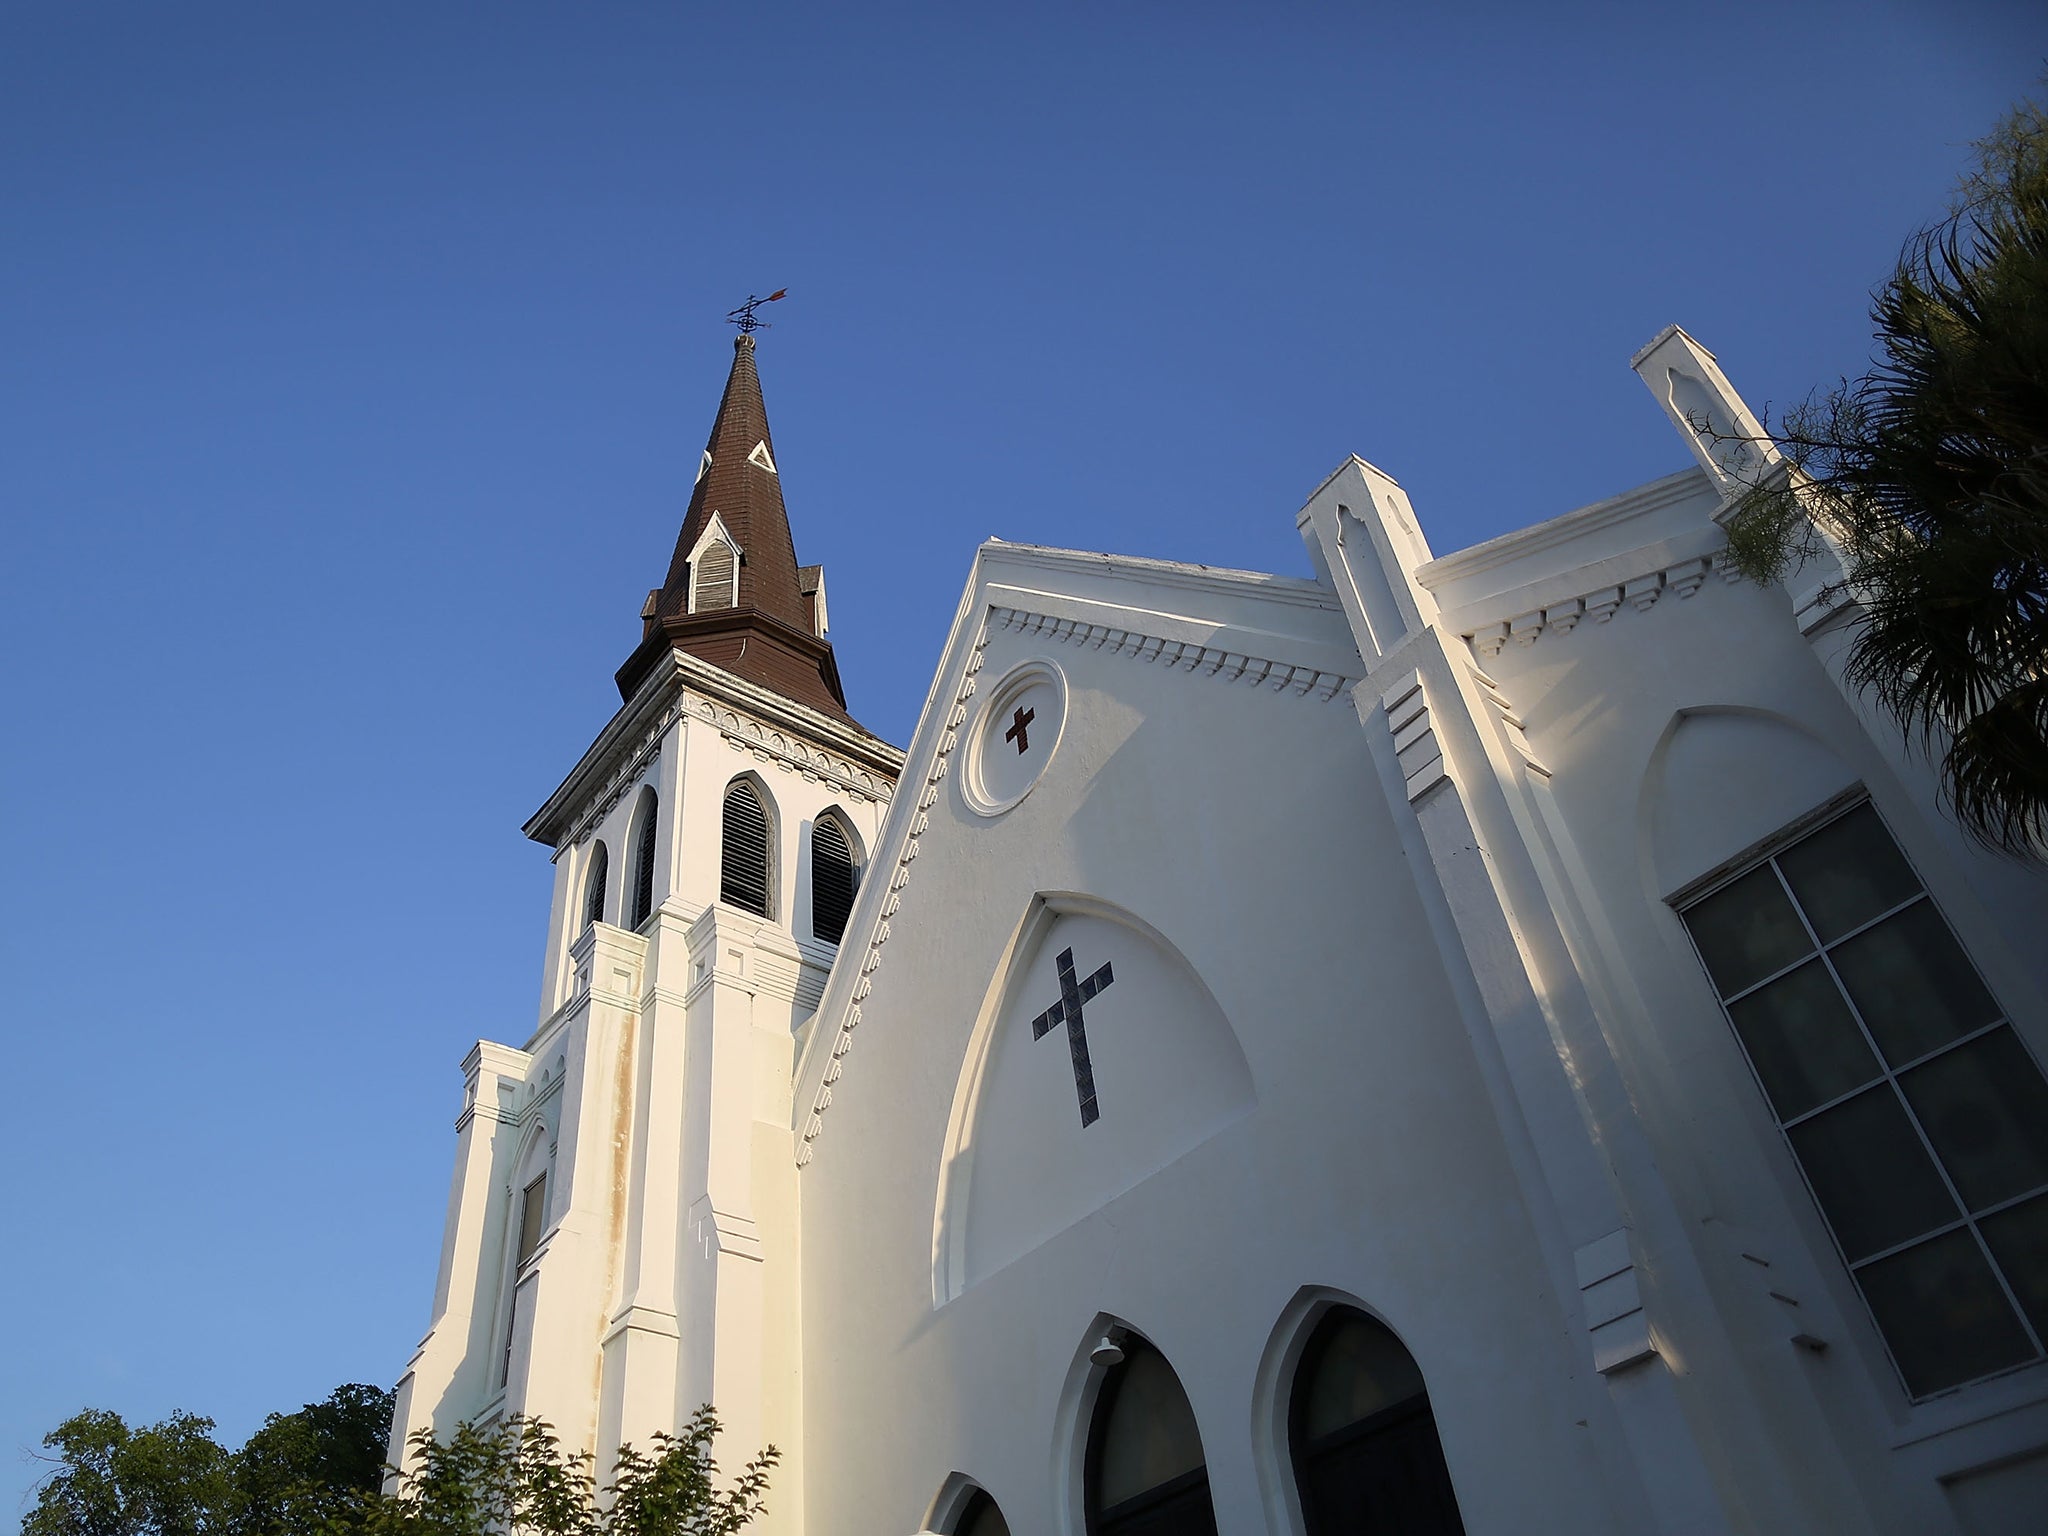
(1017, 733)
(1067, 1011)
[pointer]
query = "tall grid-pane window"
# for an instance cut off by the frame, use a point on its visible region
(1917, 1115)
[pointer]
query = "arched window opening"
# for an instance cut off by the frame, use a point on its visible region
(643, 859)
(715, 581)
(1363, 1439)
(533, 1215)
(743, 855)
(1145, 1474)
(834, 879)
(1914, 1108)
(981, 1518)
(593, 885)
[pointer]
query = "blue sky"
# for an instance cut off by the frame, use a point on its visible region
(354, 363)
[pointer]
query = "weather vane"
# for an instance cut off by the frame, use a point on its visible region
(743, 317)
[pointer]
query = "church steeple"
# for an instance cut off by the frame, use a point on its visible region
(734, 595)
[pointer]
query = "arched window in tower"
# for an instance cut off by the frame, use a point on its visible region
(1145, 1472)
(593, 885)
(834, 878)
(647, 824)
(1363, 1439)
(714, 583)
(743, 854)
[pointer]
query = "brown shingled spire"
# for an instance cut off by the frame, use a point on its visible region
(767, 636)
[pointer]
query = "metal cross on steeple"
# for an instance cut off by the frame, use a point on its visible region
(743, 317)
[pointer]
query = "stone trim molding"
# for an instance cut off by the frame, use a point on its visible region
(1613, 1302)
(791, 752)
(764, 741)
(1210, 661)
(752, 717)
(899, 878)
(1420, 754)
(1511, 723)
(1599, 605)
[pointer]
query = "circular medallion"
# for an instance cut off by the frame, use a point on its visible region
(1015, 736)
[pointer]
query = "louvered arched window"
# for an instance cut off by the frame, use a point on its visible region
(717, 575)
(743, 854)
(593, 885)
(643, 858)
(834, 879)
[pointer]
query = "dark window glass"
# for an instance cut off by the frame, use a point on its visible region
(1847, 873)
(1803, 1040)
(1912, 983)
(743, 854)
(1145, 1472)
(533, 1210)
(833, 880)
(593, 885)
(1872, 1177)
(1362, 1437)
(643, 862)
(1943, 1313)
(2018, 1237)
(1931, 1171)
(1747, 930)
(1985, 1109)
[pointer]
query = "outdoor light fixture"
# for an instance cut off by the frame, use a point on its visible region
(1107, 1350)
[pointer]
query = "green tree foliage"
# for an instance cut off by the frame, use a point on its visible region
(1929, 476)
(175, 1479)
(514, 1478)
(319, 1472)
(168, 1479)
(297, 1465)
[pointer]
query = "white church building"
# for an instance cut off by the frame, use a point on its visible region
(1504, 1042)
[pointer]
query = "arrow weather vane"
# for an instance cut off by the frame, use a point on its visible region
(743, 317)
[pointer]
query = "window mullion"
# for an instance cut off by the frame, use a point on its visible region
(1891, 1075)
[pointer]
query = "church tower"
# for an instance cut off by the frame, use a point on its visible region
(621, 1236)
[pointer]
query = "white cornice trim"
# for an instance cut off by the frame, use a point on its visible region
(1555, 607)
(1205, 660)
(1297, 590)
(846, 996)
(1477, 558)
(849, 759)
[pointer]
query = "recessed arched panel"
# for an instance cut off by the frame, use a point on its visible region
(1723, 780)
(1099, 1058)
